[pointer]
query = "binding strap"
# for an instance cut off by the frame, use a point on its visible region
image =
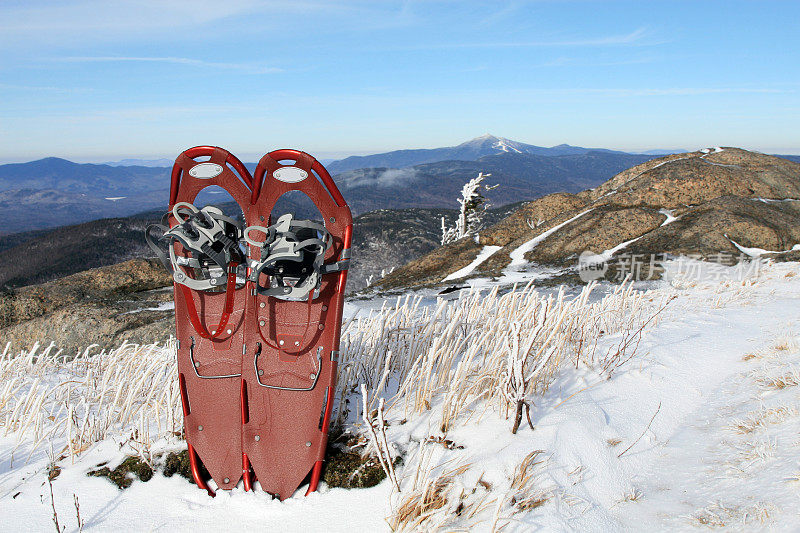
(213, 239)
(194, 318)
(160, 254)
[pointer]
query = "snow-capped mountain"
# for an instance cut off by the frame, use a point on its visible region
(467, 151)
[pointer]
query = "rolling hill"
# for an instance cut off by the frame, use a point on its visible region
(720, 204)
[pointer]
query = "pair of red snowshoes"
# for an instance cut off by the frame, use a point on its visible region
(258, 312)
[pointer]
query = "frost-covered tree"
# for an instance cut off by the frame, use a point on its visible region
(470, 218)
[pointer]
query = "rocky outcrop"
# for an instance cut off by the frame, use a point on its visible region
(714, 226)
(697, 177)
(602, 228)
(723, 200)
(535, 213)
(703, 202)
(104, 306)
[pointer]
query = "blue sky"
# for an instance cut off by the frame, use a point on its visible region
(103, 80)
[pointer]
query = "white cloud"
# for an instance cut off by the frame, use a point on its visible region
(672, 91)
(387, 178)
(251, 68)
(45, 89)
(635, 37)
(124, 15)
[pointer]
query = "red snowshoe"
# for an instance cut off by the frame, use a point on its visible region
(258, 312)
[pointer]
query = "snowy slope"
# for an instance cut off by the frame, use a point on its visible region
(699, 428)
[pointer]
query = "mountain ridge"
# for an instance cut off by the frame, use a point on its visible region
(719, 204)
(52, 192)
(109, 192)
(470, 150)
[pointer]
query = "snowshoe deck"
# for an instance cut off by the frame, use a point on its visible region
(209, 357)
(290, 367)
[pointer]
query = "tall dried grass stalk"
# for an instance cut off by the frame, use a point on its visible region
(47, 396)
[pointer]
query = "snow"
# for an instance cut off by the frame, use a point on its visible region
(708, 151)
(172, 504)
(519, 270)
(757, 252)
(483, 255)
(777, 200)
(698, 429)
(165, 306)
(608, 254)
(670, 216)
(714, 150)
(501, 144)
(518, 254)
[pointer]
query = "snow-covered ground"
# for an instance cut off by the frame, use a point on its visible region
(485, 253)
(699, 428)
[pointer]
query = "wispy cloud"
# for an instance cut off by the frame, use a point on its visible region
(574, 62)
(675, 91)
(254, 109)
(99, 15)
(246, 67)
(45, 89)
(89, 19)
(501, 14)
(636, 37)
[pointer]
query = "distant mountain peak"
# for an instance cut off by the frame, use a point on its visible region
(471, 150)
(480, 140)
(49, 163)
(489, 142)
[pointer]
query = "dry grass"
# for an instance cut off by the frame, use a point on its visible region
(525, 471)
(526, 491)
(794, 478)
(749, 455)
(531, 502)
(786, 344)
(762, 418)
(419, 505)
(632, 496)
(484, 354)
(46, 397)
(781, 347)
(487, 348)
(717, 515)
(780, 382)
(430, 496)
